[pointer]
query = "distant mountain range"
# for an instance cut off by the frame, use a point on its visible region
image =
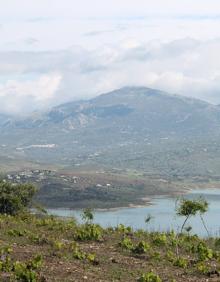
(134, 128)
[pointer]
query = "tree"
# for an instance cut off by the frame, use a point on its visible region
(190, 208)
(87, 215)
(15, 198)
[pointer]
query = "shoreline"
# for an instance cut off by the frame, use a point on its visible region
(149, 201)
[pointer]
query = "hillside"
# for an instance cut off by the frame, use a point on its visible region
(133, 128)
(43, 248)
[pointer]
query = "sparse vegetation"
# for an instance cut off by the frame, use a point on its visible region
(45, 248)
(42, 248)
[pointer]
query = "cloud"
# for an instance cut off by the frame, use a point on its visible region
(98, 32)
(31, 41)
(19, 97)
(56, 51)
(36, 80)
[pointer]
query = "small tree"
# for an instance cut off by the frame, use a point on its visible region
(189, 208)
(15, 198)
(87, 215)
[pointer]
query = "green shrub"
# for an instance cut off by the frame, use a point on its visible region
(15, 198)
(217, 242)
(92, 259)
(170, 256)
(126, 243)
(78, 254)
(123, 229)
(5, 261)
(16, 233)
(89, 232)
(22, 273)
(156, 256)
(26, 272)
(160, 239)
(141, 248)
(149, 277)
(203, 252)
(181, 262)
(202, 267)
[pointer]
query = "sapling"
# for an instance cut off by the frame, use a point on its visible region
(87, 215)
(189, 208)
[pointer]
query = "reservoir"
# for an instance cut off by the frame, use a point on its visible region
(162, 210)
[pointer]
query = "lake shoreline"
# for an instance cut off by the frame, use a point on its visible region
(144, 201)
(163, 212)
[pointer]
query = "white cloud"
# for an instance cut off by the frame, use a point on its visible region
(53, 51)
(188, 67)
(22, 97)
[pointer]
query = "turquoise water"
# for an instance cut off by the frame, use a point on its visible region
(163, 212)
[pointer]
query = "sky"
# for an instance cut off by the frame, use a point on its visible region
(54, 51)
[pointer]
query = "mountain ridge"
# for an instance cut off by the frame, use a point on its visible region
(133, 127)
(107, 100)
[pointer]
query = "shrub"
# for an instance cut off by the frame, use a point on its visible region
(170, 256)
(202, 267)
(160, 240)
(89, 232)
(149, 277)
(217, 242)
(203, 252)
(26, 272)
(123, 229)
(78, 254)
(181, 262)
(141, 248)
(5, 260)
(15, 198)
(126, 243)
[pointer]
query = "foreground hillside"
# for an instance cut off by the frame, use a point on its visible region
(43, 248)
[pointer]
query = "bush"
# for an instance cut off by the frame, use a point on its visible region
(123, 229)
(149, 277)
(15, 198)
(141, 248)
(204, 253)
(181, 262)
(126, 244)
(89, 232)
(26, 272)
(160, 239)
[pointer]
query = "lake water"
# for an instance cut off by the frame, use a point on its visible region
(163, 212)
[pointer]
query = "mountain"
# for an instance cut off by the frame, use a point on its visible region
(129, 128)
(131, 108)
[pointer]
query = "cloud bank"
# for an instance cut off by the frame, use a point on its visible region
(53, 52)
